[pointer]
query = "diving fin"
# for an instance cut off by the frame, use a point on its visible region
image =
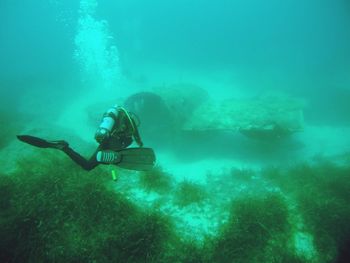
(41, 143)
(139, 159)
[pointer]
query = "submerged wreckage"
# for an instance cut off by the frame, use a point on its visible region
(190, 108)
(186, 108)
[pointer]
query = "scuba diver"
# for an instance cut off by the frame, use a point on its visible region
(117, 131)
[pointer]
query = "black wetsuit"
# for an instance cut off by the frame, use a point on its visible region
(122, 136)
(77, 158)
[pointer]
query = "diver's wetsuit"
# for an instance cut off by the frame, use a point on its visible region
(121, 137)
(80, 160)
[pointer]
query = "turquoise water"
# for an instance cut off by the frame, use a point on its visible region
(245, 103)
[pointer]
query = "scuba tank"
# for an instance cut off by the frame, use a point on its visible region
(104, 130)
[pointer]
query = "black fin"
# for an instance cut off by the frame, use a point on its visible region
(41, 143)
(139, 159)
(35, 141)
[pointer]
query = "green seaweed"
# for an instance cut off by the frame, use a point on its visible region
(156, 180)
(325, 206)
(242, 174)
(191, 252)
(321, 191)
(187, 193)
(52, 211)
(58, 213)
(254, 224)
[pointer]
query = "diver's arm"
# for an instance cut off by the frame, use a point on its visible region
(136, 135)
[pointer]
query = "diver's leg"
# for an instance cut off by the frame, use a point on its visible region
(80, 160)
(63, 146)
